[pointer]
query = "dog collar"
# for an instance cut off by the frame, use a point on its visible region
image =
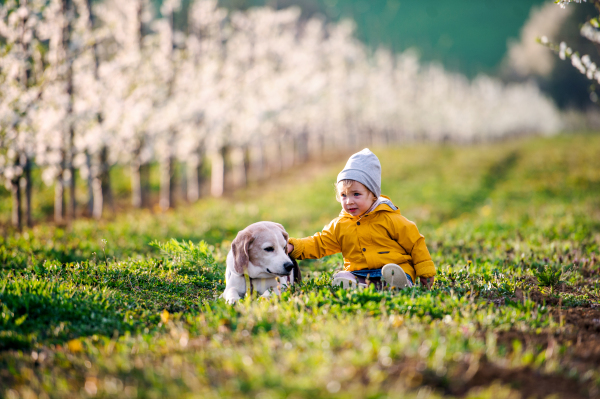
(249, 286)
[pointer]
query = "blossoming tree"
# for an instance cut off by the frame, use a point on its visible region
(583, 63)
(85, 86)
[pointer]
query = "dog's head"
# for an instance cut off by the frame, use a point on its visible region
(261, 250)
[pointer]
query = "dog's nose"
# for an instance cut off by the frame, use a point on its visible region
(288, 266)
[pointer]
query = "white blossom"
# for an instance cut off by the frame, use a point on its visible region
(562, 52)
(258, 80)
(564, 3)
(590, 32)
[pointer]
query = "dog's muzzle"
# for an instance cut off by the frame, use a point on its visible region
(287, 266)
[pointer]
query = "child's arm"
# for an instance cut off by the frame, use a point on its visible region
(408, 236)
(317, 246)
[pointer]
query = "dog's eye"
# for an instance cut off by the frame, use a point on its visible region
(269, 249)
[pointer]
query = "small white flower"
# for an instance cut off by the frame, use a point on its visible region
(590, 74)
(576, 62)
(586, 60)
(561, 50)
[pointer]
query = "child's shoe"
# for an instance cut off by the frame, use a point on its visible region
(394, 276)
(346, 283)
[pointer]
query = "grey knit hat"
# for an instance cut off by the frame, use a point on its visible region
(363, 167)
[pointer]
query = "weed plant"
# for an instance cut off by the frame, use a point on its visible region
(131, 307)
(551, 276)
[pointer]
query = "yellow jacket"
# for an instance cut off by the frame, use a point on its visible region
(369, 242)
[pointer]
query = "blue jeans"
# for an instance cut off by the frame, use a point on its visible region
(374, 274)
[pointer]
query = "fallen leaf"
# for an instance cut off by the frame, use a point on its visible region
(75, 345)
(164, 316)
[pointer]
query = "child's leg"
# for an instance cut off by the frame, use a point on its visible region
(345, 280)
(372, 280)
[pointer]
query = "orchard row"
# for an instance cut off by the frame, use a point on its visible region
(85, 86)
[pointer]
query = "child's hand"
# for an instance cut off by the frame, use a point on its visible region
(426, 282)
(290, 248)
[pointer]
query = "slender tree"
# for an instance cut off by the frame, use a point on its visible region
(583, 63)
(84, 86)
(20, 95)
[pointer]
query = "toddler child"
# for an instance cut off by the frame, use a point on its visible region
(376, 241)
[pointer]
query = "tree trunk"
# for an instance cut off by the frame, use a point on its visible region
(107, 196)
(98, 198)
(72, 202)
(96, 201)
(315, 146)
(194, 178)
(192, 187)
(201, 177)
(136, 184)
(67, 7)
(96, 191)
(286, 152)
(184, 182)
(140, 181)
(273, 157)
(17, 215)
(59, 200)
(100, 183)
(145, 181)
(24, 181)
(166, 183)
(301, 147)
(91, 177)
(256, 169)
(28, 191)
(217, 173)
(238, 164)
(167, 164)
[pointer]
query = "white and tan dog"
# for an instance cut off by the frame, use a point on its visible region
(259, 251)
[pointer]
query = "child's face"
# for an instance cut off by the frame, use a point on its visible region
(356, 199)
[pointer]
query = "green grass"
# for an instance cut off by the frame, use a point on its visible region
(129, 307)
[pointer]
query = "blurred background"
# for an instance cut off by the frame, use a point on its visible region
(109, 105)
(497, 39)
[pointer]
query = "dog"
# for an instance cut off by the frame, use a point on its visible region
(260, 253)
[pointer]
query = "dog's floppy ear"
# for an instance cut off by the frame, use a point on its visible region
(285, 234)
(240, 247)
(296, 269)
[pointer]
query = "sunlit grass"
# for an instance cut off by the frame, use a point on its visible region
(85, 317)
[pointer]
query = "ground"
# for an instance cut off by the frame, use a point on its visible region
(129, 307)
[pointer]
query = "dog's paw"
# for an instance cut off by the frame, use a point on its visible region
(231, 299)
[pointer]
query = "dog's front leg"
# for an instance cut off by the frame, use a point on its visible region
(274, 289)
(231, 296)
(284, 283)
(235, 287)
